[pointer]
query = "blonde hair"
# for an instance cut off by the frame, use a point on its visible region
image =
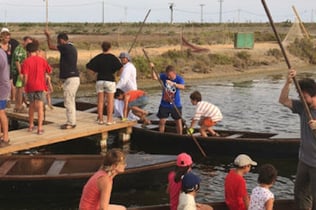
(113, 157)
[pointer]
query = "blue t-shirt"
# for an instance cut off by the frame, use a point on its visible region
(171, 94)
(307, 151)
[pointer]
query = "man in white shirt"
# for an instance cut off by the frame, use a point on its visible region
(126, 83)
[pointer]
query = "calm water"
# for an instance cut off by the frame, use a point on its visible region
(247, 105)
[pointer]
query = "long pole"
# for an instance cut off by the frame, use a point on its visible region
(175, 107)
(46, 14)
(298, 88)
(300, 22)
(140, 29)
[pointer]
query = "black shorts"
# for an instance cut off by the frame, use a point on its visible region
(164, 113)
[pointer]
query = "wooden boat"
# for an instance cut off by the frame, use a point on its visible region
(232, 143)
(69, 167)
(278, 205)
(72, 171)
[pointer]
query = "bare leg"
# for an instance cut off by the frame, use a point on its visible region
(31, 115)
(40, 112)
(100, 105)
(4, 125)
(18, 98)
(179, 126)
(12, 97)
(162, 123)
(110, 107)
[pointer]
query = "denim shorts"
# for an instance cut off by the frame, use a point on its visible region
(140, 102)
(102, 86)
(35, 96)
(163, 113)
(3, 104)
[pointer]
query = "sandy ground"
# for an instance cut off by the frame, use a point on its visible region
(217, 73)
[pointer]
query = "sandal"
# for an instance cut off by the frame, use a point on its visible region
(31, 129)
(4, 143)
(100, 122)
(67, 126)
(40, 132)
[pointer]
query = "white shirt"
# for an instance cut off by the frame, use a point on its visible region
(127, 80)
(259, 196)
(186, 202)
(206, 109)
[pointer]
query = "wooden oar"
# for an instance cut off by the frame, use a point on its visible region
(175, 107)
(140, 29)
(298, 88)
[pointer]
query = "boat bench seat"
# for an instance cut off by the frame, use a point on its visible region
(236, 135)
(6, 167)
(56, 167)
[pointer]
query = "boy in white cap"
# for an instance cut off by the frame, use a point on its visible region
(184, 164)
(190, 187)
(236, 195)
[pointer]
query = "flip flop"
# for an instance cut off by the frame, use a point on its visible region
(67, 126)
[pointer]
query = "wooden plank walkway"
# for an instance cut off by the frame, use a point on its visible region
(86, 126)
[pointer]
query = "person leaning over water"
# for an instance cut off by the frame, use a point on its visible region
(305, 182)
(96, 192)
(68, 74)
(170, 103)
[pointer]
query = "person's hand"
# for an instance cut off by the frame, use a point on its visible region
(190, 131)
(312, 124)
(170, 83)
(291, 75)
(46, 32)
(152, 65)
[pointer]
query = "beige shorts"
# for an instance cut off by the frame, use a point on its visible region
(105, 86)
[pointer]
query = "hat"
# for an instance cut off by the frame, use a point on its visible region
(184, 160)
(125, 55)
(190, 182)
(4, 30)
(243, 160)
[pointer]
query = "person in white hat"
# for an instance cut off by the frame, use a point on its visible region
(236, 195)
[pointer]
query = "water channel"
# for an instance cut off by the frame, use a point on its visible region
(250, 104)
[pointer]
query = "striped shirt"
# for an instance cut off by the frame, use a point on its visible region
(206, 109)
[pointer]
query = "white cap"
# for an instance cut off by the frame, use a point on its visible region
(4, 30)
(244, 160)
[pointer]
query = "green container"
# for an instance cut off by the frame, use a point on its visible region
(244, 40)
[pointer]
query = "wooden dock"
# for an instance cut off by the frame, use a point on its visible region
(86, 126)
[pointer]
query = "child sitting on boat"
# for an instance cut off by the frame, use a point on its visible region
(206, 113)
(183, 166)
(236, 195)
(190, 187)
(261, 197)
(134, 100)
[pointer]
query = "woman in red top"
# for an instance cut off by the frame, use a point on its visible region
(97, 191)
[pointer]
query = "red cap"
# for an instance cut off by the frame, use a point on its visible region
(184, 160)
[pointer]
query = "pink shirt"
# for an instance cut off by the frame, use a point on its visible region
(90, 198)
(174, 190)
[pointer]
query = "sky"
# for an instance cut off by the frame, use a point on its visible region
(205, 11)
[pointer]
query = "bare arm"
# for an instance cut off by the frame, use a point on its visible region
(153, 72)
(246, 201)
(284, 96)
(50, 45)
(269, 204)
(105, 187)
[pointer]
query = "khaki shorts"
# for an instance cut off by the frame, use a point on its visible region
(105, 86)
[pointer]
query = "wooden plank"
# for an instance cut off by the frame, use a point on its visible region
(86, 126)
(56, 167)
(7, 166)
(234, 136)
